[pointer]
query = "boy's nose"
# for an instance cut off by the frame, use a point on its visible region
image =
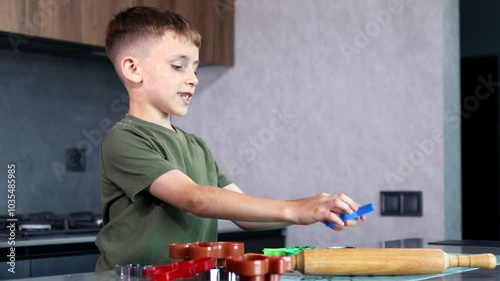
(192, 79)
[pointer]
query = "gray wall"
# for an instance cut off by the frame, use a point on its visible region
(295, 116)
(351, 121)
(451, 120)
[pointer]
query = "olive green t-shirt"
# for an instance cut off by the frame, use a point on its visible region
(137, 227)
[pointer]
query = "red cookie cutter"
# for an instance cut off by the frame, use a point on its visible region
(180, 269)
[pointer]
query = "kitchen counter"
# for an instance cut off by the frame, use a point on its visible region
(454, 274)
(51, 255)
(51, 240)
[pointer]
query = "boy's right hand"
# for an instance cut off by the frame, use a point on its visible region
(324, 207)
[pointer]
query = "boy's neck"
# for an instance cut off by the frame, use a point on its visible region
(152, 117)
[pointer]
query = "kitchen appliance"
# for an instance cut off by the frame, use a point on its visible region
(47, 224)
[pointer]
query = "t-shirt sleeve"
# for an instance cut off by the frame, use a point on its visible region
(222, 178)
(130, 162)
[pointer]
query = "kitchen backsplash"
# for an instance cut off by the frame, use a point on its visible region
(51, 105)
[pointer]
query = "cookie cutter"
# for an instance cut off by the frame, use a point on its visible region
(259, 267)
(170, 272)
(217, 250)
(214, 261)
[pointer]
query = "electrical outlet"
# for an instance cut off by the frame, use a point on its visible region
(75, 159)
(401, 203)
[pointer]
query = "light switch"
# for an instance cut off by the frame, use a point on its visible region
(401, 203)
(390, 203)
(411, 203)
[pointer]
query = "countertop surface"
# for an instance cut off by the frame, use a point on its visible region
(457, 273)
(51, 240)
(224, 227)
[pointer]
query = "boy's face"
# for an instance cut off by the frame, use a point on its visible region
(168, 75)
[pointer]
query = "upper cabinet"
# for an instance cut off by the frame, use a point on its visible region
(85, 21)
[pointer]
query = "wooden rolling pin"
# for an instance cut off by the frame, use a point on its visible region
(385, 261)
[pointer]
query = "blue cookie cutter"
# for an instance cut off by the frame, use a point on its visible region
(363, 210)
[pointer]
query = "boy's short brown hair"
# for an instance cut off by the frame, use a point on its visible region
(141, 24)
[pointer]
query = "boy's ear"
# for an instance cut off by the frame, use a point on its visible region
(130, 69)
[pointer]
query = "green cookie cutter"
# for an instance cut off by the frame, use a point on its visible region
(288, 251)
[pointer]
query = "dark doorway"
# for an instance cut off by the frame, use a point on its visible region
(480, 148)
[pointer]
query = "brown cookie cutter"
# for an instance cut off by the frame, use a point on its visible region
(217, 250)
(258, 267)
(231, 256)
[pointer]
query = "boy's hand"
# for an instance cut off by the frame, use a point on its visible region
(325, 207)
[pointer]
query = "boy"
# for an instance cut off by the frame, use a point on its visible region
(159, 184)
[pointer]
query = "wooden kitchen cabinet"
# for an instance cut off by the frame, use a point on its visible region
(85, 21)
(95, 16)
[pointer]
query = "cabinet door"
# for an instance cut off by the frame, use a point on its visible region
(214, 19)
(47, 19)
(96, 16)
(22, 270)
(85, 21)
(53, 19)
(63, 265)
(12, 15)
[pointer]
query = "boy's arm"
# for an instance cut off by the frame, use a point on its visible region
(177, 189)
(252, 226)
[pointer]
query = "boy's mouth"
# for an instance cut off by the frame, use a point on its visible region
(185, 97)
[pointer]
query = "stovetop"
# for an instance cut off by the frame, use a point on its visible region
(48, 224)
